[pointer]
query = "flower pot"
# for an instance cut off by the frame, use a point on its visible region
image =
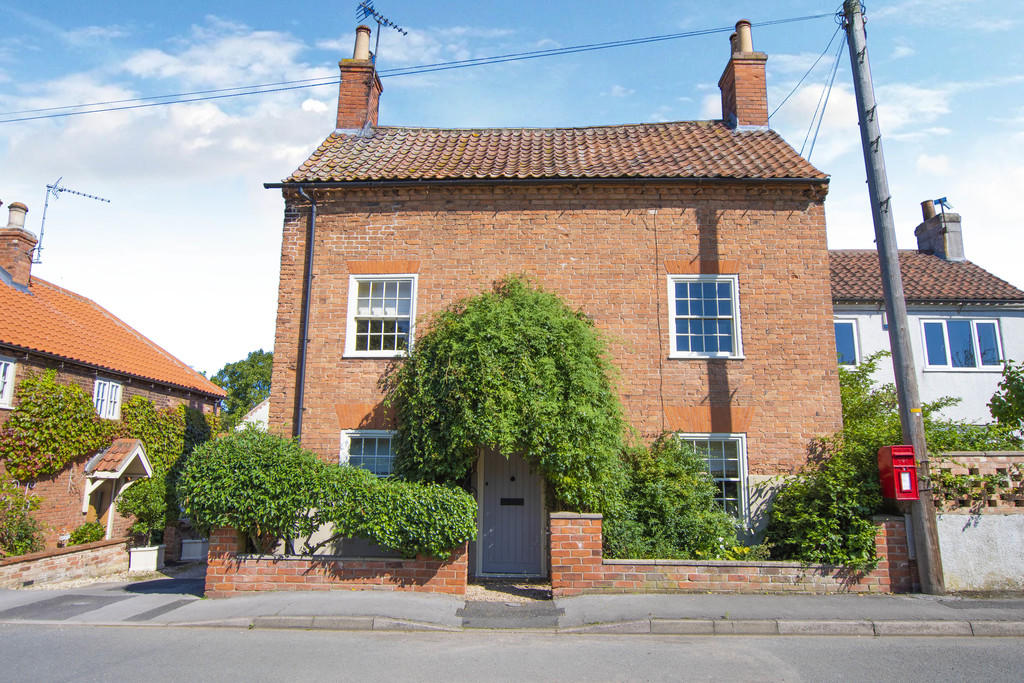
(146, 559)
(193, 550)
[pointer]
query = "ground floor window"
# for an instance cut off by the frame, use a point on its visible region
(370, 449)
(726, 455)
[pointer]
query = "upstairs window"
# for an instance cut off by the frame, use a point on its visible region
(704, 320)
(381, 310)
(6, 382)
(368, 449)
(962, 344)
(846, 341)
(106, 398)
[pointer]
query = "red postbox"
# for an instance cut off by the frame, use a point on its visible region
(897, 472)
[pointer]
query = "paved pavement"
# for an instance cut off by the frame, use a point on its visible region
(177, 602)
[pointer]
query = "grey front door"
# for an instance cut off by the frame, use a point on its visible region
(510, 507)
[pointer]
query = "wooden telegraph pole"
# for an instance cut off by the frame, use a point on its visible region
(922, 511)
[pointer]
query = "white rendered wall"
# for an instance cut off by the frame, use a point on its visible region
(982, 552)
(974, 386)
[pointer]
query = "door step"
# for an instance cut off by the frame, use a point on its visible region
(510, 615)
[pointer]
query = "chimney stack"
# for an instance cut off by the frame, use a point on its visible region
(744, 92)
(359, 92)
(16, 245)
(940, 234)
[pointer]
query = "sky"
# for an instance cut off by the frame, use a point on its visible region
(187, 250)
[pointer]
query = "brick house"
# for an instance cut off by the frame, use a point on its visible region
(698, 246)
(43, 327)
(964, 321)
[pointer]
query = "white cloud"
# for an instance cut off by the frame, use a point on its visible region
(313, 105)
(902, 51)
(711, 107)
(88, 35)
(620, 91)
(936, 164)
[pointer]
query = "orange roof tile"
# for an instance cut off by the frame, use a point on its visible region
(55, 321)
(927, 278)
(685, 149)
(111, 459)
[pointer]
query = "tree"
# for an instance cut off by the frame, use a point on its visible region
(517, 370)
(247, 382)
(1007, 404)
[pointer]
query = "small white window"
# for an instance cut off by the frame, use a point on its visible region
(106, 398)
(704, 316)
(962, 344)
(847, 349)
(381, 312)
(726, 455)
(6, 382)
(370, 449)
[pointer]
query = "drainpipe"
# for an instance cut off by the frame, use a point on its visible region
(307, 297)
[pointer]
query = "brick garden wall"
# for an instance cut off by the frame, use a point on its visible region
(65, 564)
(606, 249)
(577, 566)
(230, 573)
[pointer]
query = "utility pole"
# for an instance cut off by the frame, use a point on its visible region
(922, 512)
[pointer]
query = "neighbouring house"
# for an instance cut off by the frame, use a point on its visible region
(44, 327)
(697, 246)
(964, 321)
(258, 416)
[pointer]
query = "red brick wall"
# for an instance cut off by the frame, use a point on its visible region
(577, 566)
(605, 249)
(66, 564)
(229, 573)
(744, 90)
(359, 88)
(15, 254)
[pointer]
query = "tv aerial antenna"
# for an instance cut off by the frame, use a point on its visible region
(366, 10)
(55, 190)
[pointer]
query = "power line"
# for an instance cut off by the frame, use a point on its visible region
(808, 73)
(835, 69)
(239, 91)
(826, 89)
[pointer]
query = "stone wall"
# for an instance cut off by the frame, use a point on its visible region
(231, 573)
(577, 566)
(65, 564)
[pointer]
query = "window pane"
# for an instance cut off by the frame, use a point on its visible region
(961, 348)
(935, 343)
(988, 347)
(363, 290)
(846, 348)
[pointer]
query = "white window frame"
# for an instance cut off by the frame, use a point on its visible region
(856, 340)
(106, 407)
(949, 367)
(350, 326)
(741, 441)
(737, 346)
(8, 367)
(348, 434)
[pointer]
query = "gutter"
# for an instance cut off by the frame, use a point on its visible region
(300, 389)
(334, 184)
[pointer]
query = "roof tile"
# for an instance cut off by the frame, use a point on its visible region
(53, 320)
(926, 279)
(684, 149)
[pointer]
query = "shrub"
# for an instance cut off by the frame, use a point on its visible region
(517, 370)
(1007, 405)
(20, 533)
(669, 508)
(269, 489)
(90, 532)
(146, 501)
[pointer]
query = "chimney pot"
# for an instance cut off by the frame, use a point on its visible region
(940, 234)
(746, 43)
(16, 215)
(734, 45)
(928, 209)
(361, 51)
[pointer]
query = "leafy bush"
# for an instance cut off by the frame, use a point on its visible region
(20, 533)
(269, 488)
(90, 532)
(1007, 404)
(517, 370)
(669, 508)
(146, 501)
(51, 425)
(823, 514)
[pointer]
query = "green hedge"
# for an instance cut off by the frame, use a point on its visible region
(269, 488)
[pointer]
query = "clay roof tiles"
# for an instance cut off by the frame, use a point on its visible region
(927, 278)
(52, 320)
(111, 459)
(687, 149)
